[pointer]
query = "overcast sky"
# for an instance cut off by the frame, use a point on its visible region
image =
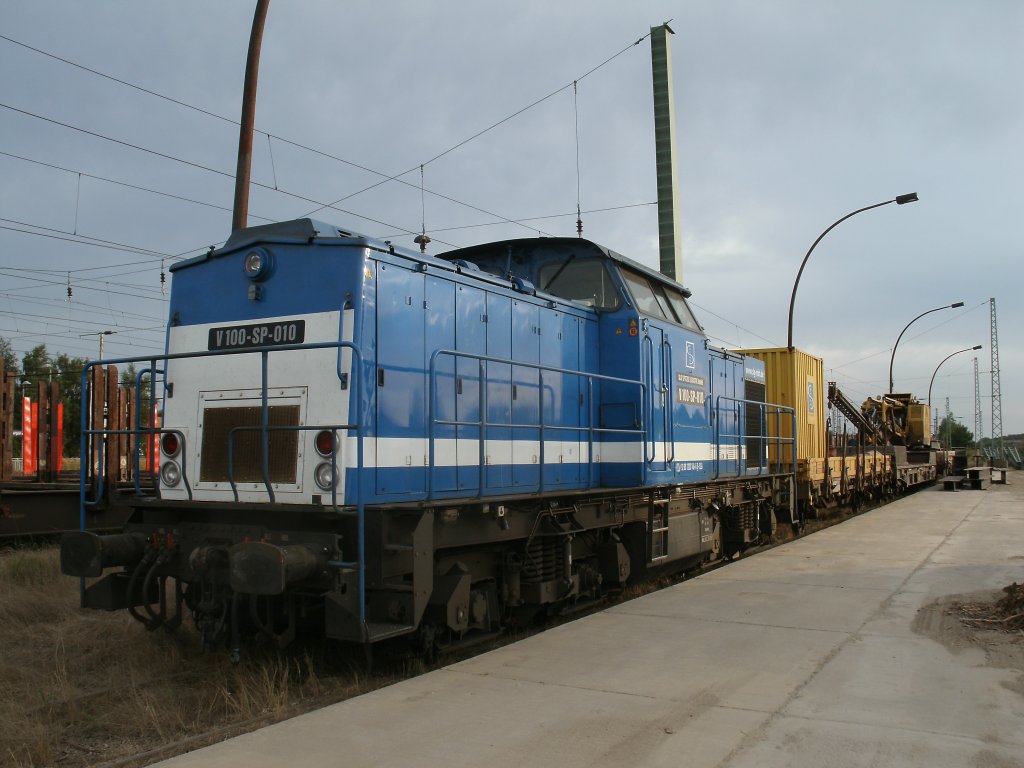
(788, 116)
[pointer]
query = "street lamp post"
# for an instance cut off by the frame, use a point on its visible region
(891, 359)
(101, 334)
(899, 200)
(968, 349)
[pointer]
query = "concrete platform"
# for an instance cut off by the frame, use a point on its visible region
(812, 654)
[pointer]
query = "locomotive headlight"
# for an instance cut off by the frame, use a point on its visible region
(324, 476)
(170, 474)
(257, 264)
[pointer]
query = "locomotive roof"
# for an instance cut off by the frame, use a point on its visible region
(556, 245)
(292, 231)
(308, 230)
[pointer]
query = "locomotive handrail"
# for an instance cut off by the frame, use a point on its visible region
(648, 346)
(765, 440)
(287, 428)
(153, 372)
(85, 503)
(134, 433)
(669, 404)
(265, 428)
(482, 423)
(717, 442)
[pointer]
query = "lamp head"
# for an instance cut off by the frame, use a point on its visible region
(908, 198)
(958, 304)
(977, 347)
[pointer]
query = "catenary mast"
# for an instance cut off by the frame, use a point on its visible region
(997, 400)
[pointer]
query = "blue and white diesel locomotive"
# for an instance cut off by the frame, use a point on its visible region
(377, 442)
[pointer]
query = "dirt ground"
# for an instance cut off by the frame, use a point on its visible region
(990, 620)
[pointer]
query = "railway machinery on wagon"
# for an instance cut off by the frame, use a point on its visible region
(371, 443)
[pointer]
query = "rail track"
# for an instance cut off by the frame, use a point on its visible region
(30, 510)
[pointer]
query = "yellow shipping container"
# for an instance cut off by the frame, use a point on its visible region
(796, 380)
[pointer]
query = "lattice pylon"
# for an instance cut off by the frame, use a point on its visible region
(949, 427)
(977, 405)
(997, 398)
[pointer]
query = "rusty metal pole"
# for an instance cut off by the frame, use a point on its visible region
(240, 213)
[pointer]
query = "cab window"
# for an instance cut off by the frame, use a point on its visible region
(659, 300)
(682, 310)
(584, 281)
(643, 294)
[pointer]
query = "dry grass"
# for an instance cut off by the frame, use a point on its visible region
(80, 688)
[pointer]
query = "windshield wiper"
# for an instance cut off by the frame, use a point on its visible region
(559, 271)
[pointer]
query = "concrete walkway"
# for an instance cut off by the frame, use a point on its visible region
(823, 652)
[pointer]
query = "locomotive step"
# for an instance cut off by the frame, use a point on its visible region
(377, 631)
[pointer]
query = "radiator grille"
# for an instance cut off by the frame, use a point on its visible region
(283, 448)
(756, 425)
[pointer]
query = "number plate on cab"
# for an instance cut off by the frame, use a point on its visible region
(258, 335)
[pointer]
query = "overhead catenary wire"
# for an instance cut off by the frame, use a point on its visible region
(299, 145)
(46, 301)
(927, 330)
(57, 234)
(162, 257)
(78, 198)
(576, 124)
(490, 127)
(34, 316)
(273, 167)
(116, 80)
(231, 121)
(730, 322)
(84, 283)
(40, 282)
(533, 218)
(68, 335)
(200, 166)
(275, 187)
(126, 184)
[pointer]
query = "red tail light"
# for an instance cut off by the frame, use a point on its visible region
(169, 442)
(324, 442)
